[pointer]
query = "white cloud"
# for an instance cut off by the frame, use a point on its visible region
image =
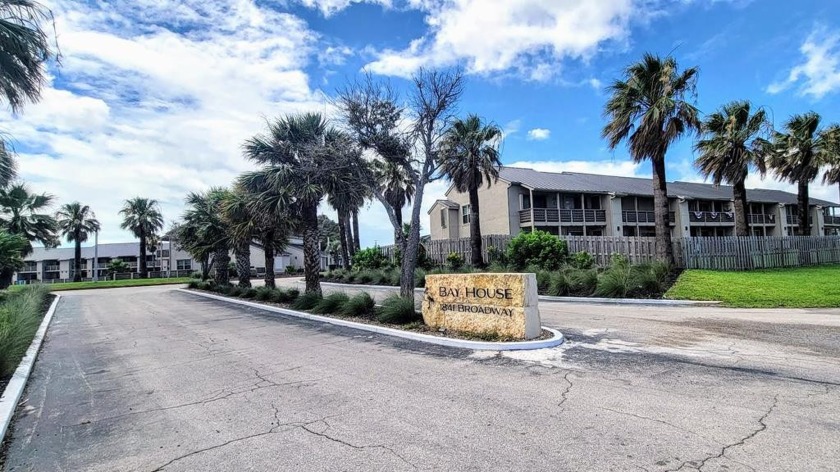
(539, 134)
(620, 168)
(530, 37)
(819, 74)
(330, 7)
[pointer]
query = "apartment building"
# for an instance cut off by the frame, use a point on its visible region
(570, 203)
(57, 264)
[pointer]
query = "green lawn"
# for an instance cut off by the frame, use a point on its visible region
(110, 284)
(804, 287)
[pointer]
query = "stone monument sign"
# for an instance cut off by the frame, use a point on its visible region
(501, 304)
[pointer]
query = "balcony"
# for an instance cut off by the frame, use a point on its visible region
(644, 217)
(832, 220)
(794, 219)
(761, 219)
(554, 215)
(51, 268)
(721, 217)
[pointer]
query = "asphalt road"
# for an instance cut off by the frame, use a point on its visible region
(153, 379)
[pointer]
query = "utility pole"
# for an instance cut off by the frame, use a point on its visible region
(96, 257)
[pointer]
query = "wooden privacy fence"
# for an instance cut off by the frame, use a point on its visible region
(756, 252)
(719, 253)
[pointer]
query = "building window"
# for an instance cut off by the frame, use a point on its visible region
(184, 264)
(443, 218)
(465, 214)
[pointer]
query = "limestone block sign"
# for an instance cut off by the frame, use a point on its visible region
(503, 304)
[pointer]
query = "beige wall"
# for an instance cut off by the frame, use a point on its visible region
(495, 210)
(436, 230)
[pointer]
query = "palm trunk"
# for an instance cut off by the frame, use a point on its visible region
(221, 260)
(356, 245)
(77, 259)
(243, 263)
(205, 267)
(342, 236)
(804, 221)
(742, 225)
(311, 254)
(269, 264)
(476, 258)
(141, 264)
(348, 242)
(398, 239)
(664, 250)
(6, 278)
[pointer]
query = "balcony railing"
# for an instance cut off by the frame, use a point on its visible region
(761, 219)
(554, 215)
(794, 219)
(644, 217)
(52, 268)
(711, 217)
(832, 220)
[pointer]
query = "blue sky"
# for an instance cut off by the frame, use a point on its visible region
(155, 97)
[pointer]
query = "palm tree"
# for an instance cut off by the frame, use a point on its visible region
(798, 154)
(207, 232)
(648, 109)
(142, 217)
(25, 48)
(76, 222)
(240, 223)
(469, 158)
(298, 164)
(731, 145)
(398, 188)
(23, 214)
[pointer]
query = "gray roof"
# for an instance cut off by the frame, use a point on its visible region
(105, 250)
(447, 203)
(595, 183)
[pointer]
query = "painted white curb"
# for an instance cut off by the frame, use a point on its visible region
(555, 340)
(14, 389)
(547, 298)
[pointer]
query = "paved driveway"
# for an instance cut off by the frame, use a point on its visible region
(153, 379)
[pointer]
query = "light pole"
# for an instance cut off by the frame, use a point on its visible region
(96, 257)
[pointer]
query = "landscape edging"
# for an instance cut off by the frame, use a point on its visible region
(548, 298)
(17, 384)
(556, 340)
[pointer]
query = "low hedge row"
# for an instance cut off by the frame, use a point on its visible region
(394, 309)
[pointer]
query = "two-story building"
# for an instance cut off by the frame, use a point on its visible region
(571, 203)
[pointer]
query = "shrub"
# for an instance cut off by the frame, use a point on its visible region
(498, 267)
(397, 310)
(369, 258)
(365, 277)
(278, 296)
(306, 301)
(543, 280)
(582, 282)
(293, 294)
(235, 291)
(203, 285)
(651, 279)
(193, 284)
(392, 277)
(195, 275)
(582, 260)
(419, 278)
(224, 289)
(361, 305)
(537, 248)
(290, 269)
(496, 255)
(617, 281)
(20, 316)
(263, 294)
(249, 293)
(331, 303)
(558, 285)
(455, 261)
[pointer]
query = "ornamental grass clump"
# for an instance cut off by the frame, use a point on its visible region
(263, 294)
(307, 301)
(331, 303)
(20, 315)
(397, 310)
(361, 305)
(249, 293)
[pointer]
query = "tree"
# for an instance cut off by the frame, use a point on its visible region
(24, 48)
(117, 266)
(397, 187)
(799, 153)
(239, 220)
(731, 145)
(327, 230)
(23, 213)
(648, 109)
(142, 217)
(208, 232)
(470, 157)
(12, 250)
(76, 222)
(301, 156)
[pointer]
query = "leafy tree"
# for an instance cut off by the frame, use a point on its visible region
(649, 110)
(302, 158)
(798, 154)
(470, 158)
(12, 250)
(327, 230)
(731, 145)
(76, 222)
(142, 217)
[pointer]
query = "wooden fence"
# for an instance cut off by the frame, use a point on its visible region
(723, 253)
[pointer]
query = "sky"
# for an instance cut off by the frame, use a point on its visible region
(154, 98)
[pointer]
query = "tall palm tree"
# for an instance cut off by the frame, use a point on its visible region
(24, 214)
(731, 145)
(271, 222)
(142, 217)
(297, 165)
(799, 153)
(469, 158)
(240, 222)
(649, 110)
(76, 222)
(209, 231)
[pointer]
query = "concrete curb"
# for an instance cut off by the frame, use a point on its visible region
(556, 340)
(546, 298)
(14, 389)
